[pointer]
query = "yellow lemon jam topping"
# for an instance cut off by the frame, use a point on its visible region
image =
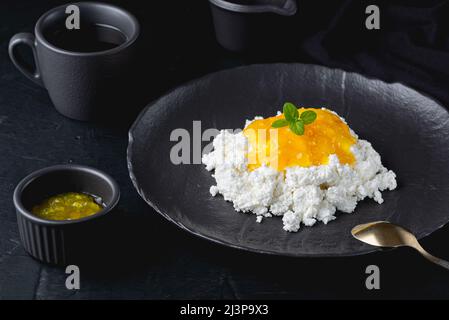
(280, 148)
(67, 206)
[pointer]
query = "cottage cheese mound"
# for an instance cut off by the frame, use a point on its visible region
(298, 194)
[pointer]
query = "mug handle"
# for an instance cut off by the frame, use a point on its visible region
(28, 39)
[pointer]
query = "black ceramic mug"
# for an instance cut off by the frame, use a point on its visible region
(86, 71)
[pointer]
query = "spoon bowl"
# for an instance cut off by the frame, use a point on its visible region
(388, 235)
(383, 234)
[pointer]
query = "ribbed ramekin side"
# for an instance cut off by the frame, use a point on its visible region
(43, 242)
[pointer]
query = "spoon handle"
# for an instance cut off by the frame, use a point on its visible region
(436, 260)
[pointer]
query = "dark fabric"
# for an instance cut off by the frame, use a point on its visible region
(412, 45)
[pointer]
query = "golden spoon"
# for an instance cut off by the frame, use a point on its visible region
(386, 234)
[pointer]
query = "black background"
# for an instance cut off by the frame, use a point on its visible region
(151, 258)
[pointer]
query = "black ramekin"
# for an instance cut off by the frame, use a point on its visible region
(62, 242)
(244, 25)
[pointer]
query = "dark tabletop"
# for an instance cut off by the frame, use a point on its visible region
(150, 257)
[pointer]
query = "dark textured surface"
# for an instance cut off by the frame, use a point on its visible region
(151, 258)
(406, 128)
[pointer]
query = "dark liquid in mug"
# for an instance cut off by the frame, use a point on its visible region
(91, 38)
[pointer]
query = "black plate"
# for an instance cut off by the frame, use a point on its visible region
(409, 130)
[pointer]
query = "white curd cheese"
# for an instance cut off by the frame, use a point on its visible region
(298, 194)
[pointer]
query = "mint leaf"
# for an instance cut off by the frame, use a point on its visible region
(279, 123)
(290, 112)
(295, 122)
(308, 116)
(297, 127)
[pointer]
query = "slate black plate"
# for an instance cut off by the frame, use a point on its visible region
(409, 130)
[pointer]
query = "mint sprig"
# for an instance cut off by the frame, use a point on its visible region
(294, 120)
